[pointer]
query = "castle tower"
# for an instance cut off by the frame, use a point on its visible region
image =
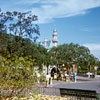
(54, 40)
(45, 43)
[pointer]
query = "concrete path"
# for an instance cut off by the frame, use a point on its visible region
(83, 83)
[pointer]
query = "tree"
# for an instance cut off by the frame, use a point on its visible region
(23, 26)
(21, 48)
(69, 54)
(4, 18)
(39, 54)
(20, 25)
(56, 57)
(48, 59)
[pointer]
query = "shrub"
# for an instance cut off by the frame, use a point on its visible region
(16, 75)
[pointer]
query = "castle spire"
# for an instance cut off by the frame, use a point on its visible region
(45, 42)
(55, 40)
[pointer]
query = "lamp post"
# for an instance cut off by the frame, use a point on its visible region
(74, 71)
(96, 67)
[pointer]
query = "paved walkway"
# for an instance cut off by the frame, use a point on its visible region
(82, 83)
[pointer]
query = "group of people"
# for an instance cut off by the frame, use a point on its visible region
(68, 77)
(64, 77)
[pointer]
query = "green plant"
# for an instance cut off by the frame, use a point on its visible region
(16, 75)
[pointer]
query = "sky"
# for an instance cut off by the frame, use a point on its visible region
(76, 21)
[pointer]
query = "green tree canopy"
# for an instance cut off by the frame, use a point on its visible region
(69, 54)
(20, 26)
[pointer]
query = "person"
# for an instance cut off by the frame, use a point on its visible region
(55, 75)
(38, 79)
(51, 81)
(47, 80)
(62, 76)
(74, 76)
(66, 76)
(70, 78)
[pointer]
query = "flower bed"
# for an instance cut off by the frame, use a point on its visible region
(42, 97)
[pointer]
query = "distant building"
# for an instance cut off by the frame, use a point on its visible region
(53, 42)
(45, 42)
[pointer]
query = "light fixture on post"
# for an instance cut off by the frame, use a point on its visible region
(96, 67)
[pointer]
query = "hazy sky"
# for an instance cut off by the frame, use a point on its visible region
(76, 21)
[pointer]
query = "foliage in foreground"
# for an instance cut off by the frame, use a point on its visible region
(41, 97)
(16, 75)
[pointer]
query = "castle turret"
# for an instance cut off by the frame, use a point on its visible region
(55, 41)
(45, 42)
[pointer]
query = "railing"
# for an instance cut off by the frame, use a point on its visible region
(74, 94)
(78, 94)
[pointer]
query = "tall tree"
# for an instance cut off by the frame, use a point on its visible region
(69, 54)
(4, 18)
(23, 25)
(22, 29)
